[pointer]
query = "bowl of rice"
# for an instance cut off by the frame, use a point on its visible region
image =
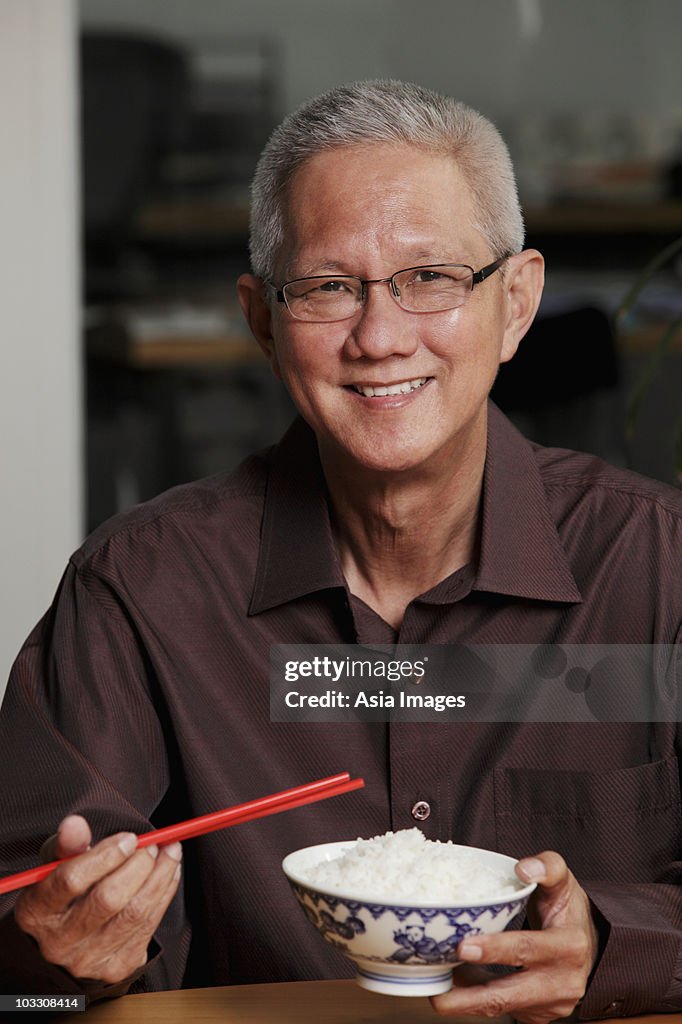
(399, 904)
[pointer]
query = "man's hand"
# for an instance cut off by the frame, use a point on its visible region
(555, 961)
(95, 914)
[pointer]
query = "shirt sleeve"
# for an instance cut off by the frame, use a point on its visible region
(640, 968)
(81, 732)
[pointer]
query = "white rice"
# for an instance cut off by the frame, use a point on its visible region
(408, 867)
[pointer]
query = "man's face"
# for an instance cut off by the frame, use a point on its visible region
(370, 211)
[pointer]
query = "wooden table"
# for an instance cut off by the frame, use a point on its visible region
(303, 1002)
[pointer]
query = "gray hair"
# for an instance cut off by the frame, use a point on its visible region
(393, 112)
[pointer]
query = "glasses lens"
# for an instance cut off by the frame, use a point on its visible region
(429, 289)
(323, 299)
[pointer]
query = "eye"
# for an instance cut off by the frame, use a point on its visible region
(317, 288)
(426, 276)
(333, 286)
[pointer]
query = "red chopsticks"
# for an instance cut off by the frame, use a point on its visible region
(286, 800)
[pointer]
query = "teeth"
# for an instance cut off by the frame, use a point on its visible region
(391, 389)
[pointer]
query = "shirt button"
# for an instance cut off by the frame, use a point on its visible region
(421, 810)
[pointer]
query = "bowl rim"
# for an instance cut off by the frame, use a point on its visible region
(341, 893)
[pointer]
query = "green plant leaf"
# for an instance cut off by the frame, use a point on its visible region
(647, 273)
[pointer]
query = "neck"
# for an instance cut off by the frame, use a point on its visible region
(399, 534)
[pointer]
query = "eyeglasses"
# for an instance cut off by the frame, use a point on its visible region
(431, 289)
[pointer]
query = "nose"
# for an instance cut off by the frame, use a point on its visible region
(382, 328)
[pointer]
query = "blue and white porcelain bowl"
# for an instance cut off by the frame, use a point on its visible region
(400, 948)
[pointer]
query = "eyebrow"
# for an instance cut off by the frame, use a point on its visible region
(322, 269)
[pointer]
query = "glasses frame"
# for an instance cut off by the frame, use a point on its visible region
(477, 277)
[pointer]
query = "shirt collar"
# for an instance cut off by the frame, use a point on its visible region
(520, 552)
(297, 554)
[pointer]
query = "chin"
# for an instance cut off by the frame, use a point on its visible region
(378, 457)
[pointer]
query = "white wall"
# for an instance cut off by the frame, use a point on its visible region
(40, 388)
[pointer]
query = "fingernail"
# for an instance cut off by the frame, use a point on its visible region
(153, 852)
(469, 951)
(70, 817)
(174, 851)
(532, 869)
(127, 843)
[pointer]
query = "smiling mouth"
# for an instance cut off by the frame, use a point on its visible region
(381, 390)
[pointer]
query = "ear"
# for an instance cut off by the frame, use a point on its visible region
(253, 299)
(524, 279)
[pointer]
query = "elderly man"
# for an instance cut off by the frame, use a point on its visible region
(389, 282)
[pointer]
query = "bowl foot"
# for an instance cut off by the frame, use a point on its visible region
(431, 984)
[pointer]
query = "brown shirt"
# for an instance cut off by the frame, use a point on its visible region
(142, 698)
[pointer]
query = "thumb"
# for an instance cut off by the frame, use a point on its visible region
(73, 837)
(553, 901)
(548, 869)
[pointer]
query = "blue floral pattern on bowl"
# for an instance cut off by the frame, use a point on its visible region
(399, 948)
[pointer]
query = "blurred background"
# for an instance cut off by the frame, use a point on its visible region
(130, 130)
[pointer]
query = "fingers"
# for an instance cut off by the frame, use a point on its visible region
(553, 963)
(536, 1000)
(73, 837)
(118, 946)
(527, 948)
(74, 877)
(558, 900)
(111, 894)
(550, 978)
(548, 869)
(42, 910)
(96, 913)
(127, 896)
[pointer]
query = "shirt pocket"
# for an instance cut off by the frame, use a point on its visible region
(620, 826)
